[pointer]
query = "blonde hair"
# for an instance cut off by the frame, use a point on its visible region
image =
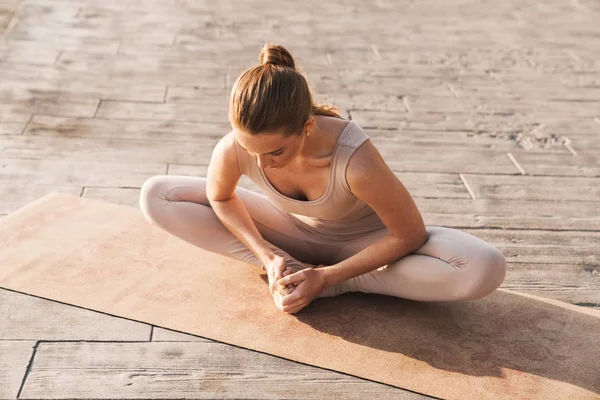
(274, 96)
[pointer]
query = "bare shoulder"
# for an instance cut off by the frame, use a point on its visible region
(225, 152)
(371, 180)
(365, 163)
(223, 170)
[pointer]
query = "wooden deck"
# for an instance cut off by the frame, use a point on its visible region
(488, 112)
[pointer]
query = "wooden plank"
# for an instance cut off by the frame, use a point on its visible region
(543, 247)
(445, 139)
(158, 70)
(107, 150)
(581, 165)
(510, 214)
(196, 94)
(89, 45)
(43, 125)
(22, 111)
(206, 63)
(77, 172)
(544, 188)
(426, 159)
(202, 370)
(26, 317)
(570, 126)
(15, 195)
(66, 20)
(211, 110)
(436, 120)
(123, 196)
(14, 359)
(12, 128)
(364, 101)
(5, 19)
(575, 284)
(413, 141)
(29, 55)
(587, 147)
(201, 170)
(436, 185)
(25, 82)
(418, 184)
(167, 335)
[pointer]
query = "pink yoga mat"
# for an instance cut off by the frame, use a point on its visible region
(108, 258)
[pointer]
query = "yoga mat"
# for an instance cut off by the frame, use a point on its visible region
(109, 258)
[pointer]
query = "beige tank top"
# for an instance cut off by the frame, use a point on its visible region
(338, 213)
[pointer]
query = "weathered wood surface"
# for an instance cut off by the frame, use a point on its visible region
(15, 357)
(198, 370)
(491, 119)
(34, 318)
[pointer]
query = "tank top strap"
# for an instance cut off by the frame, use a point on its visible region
(243, 159)
(350, 140)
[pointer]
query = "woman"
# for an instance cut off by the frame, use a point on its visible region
(335, 218)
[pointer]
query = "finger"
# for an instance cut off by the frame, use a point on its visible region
(294, 309)
(295, 277)
(291, 298)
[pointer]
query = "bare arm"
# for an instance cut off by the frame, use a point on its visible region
(371, 180)
(223, 175)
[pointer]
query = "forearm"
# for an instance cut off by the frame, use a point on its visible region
(382, 252)
(236, 219)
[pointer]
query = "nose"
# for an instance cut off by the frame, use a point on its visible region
(263, 162)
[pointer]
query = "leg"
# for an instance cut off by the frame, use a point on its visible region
(452, 265)
(178, 204)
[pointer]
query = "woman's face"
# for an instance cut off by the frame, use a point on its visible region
(271, 149)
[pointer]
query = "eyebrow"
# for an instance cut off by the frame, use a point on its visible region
(271, 152)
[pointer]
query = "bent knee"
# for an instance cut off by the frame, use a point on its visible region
(153, 192)
(488, 276)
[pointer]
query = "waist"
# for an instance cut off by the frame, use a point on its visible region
(342, 229)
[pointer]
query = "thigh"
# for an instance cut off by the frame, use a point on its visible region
(455, 247)
(274, 225)
(447, 244)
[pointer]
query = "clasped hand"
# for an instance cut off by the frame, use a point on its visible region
(308, 284)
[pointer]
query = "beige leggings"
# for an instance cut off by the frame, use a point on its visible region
(451, 265)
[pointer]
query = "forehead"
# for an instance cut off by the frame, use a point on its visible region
(261, 143)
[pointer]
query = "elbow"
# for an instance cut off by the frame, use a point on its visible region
(410, 243)
(420, 238)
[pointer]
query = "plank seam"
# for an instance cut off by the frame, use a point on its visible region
(27, 124)
(375, 51)
(328, 58)
(29, 367)
(568, 146)
(60, 53)
(13, 19)
(405, 103)
(97, 108)
(464, 181)
(514, 161)
(451, 88)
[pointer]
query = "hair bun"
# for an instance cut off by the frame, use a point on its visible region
(277, 55)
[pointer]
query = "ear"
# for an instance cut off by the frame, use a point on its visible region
(309, 124)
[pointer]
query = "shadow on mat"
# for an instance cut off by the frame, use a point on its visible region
(478, 337)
